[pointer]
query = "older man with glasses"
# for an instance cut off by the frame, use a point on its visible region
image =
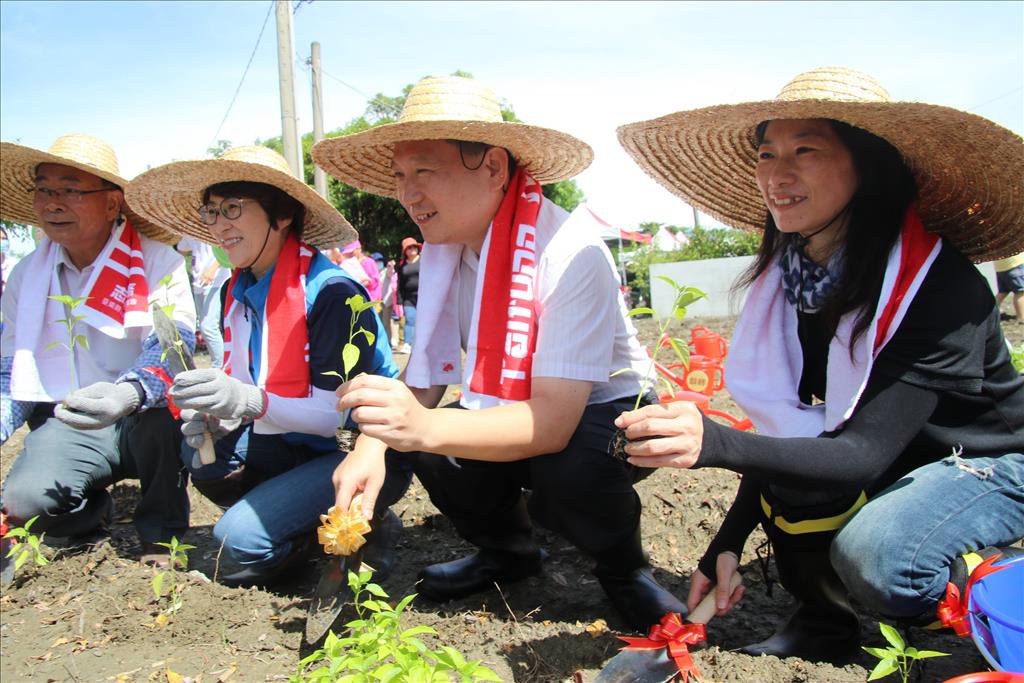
(80, 362)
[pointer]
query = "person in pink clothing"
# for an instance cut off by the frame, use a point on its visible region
(353, 252)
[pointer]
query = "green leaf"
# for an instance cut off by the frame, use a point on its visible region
(332, 373)
(893, 636)
(925, 654)
(41, 560)
(158, 584)
(879, 652)
(620, 371)
(643, 310)
(883, 669)
(672, 283)
(82, 341)
(376, 590)
(349, 357)
(222, 257)
(21, 559)
(51, 345)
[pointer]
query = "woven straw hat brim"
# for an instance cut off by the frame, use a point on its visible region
(969, 170)
(17, 175)
(363, 159)
(172, 194)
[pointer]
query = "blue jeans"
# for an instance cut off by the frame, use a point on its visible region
(208, 309)
(410, 324)
(63, 473)
(294, 488)
(894, 553)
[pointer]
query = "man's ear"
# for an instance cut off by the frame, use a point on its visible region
(496, 165)
(115, 203)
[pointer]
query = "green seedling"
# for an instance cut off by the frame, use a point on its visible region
(167, 583)
(378, 649)
(350, 352)
(69, 321)
(897, 657)
(1017, 356)
(168, 309)
(684, 296)
(25, 545)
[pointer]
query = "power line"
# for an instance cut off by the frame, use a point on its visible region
(1005, 94)
(246, 71)
(350, 87)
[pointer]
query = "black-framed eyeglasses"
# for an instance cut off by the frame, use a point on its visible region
(68, 195)
(230, 208)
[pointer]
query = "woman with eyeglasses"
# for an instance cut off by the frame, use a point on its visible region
(286, 319)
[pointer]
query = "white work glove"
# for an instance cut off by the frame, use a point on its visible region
(196, 426)
(97, 405)
(217, 394)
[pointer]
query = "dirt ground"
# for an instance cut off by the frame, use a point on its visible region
(91, 617)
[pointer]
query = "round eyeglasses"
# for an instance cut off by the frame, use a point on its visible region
(230, 208)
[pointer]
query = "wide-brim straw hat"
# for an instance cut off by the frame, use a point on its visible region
(173, 193)
(450, 108)
(969, 170)
(18, 176)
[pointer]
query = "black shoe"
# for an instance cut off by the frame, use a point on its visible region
(476, 572)
(379, 551)
(638, 597)
(268, 576)
(815, 634)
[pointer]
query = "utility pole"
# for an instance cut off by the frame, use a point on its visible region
(286, 73)
(319, 177)
(696, 217)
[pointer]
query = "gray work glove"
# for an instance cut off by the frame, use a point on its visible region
(98, 405)
(219, 395)
(196, 426)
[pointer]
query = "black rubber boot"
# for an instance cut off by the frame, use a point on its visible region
(824, 626)
(506, 553)
(379, 551)
(226, 491)
(268, 576)
(627, 580)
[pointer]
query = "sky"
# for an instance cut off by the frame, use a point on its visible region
(155, 79)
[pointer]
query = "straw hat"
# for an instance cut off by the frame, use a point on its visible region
(173, 193)
(84, 152)
(969, 170)
(450, 108)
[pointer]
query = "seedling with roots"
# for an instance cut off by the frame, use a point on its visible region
(350, 357)
(69, 321)
(167, 583)
(25, 545)
(684, 296)
(378, 649)
(897, 657)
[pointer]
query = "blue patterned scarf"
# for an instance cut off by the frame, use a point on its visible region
(807, 284)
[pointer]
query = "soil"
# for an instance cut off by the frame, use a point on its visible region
(92, 616)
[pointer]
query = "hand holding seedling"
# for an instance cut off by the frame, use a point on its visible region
(98, 405)
(678, 425)
(198, 427)
(386, 409)
(218, 394)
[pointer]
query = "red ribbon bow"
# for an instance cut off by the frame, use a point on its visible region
(953, 609)
(674, 635)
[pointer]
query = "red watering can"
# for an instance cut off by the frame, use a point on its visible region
(704, 375)
(707, 343)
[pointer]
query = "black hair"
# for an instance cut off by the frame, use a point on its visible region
(277, 203)
(469, 148)
(885, 189)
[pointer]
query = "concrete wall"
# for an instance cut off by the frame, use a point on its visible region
(716, 277)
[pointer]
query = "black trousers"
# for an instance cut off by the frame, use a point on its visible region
(581, 493)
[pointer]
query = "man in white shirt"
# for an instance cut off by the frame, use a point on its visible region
(93, 396)
(533, 301)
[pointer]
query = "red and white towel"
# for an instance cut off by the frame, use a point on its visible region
(118, 296)
(765, 365)
(500, 353)
(284, 346)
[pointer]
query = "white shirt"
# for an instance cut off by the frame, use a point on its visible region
(202, 258)
(583, 328)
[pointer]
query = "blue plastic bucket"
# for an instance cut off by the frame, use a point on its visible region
(997, 616)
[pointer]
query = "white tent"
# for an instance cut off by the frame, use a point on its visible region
(666, 240)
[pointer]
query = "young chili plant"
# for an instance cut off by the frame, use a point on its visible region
(167, 583)
(69, 321)
(897, 658)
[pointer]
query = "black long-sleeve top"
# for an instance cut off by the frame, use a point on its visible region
(944, 381)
